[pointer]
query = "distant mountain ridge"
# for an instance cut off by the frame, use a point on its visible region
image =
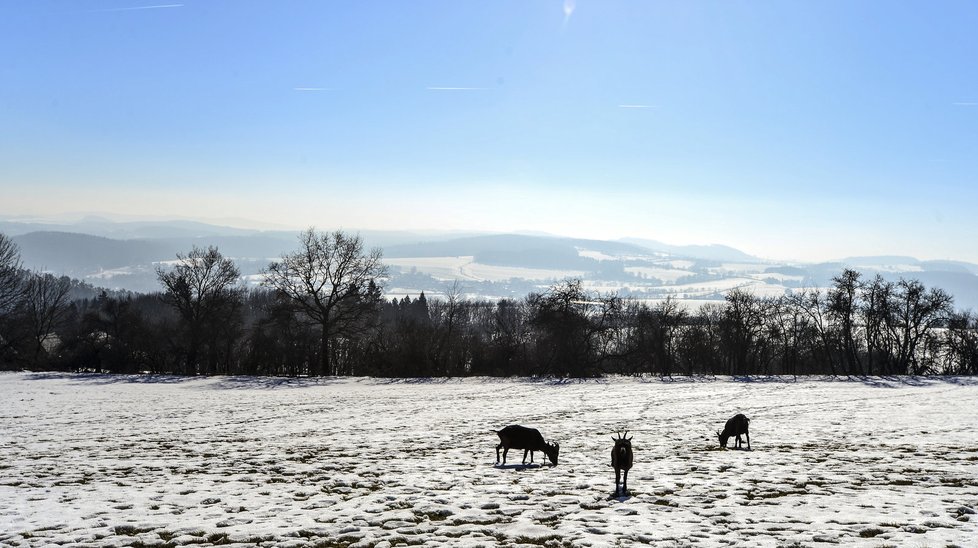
(73, 253)
(518, 250)
(714, 252)
(492, 265)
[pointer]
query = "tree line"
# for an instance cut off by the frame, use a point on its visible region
(321, 311)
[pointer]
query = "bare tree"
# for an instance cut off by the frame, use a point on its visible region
(576, 330)
(449, 318)
(742, 334)
(842, 308)
(812, 304)
(11, 275)
(916, 311)
(961, 345)
(877, 298)
(789, 326)
(45, 304)
(652, 336)
(332, 281)
(201, 288)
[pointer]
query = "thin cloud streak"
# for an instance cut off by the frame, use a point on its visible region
(134, 8)
(636, 106)
(446, 88)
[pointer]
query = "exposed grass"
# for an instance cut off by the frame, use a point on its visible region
(341, 542)
(871, 532)
(131, 530)
(141, 544)
(555, 541)
(434, 515)
(218, 539)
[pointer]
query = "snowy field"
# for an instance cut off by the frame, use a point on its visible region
(137, 461)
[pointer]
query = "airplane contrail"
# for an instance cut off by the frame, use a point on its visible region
(133, 8)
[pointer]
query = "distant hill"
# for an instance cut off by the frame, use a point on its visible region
(520, 250)
(96, 226)
(488, 265)
(713, 252)
(79, 254)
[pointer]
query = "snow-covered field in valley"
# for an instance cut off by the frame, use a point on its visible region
(157, 461)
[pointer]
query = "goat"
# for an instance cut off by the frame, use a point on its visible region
(736, 426)
(621, 460)
(527, 439)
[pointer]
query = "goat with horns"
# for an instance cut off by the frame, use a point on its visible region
(621, 460)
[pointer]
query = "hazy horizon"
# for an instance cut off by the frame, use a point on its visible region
(800, 131)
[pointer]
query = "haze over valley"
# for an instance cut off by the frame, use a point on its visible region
(125, 255)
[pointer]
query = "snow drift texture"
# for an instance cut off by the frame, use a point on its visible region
(123, 461)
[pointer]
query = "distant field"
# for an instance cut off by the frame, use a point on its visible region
(157, 461)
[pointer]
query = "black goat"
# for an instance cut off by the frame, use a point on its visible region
(736, 426)
(528, 439)
(621, 460)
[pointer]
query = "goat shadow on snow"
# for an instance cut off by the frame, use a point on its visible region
(517, 466)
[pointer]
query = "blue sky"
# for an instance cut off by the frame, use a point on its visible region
(791, 130)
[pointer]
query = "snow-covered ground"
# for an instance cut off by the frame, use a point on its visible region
(144, 461)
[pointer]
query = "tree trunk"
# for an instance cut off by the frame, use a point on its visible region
(324, 361)
(191, 363)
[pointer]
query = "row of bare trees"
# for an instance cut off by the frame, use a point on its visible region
(320, 311)
(32, 306)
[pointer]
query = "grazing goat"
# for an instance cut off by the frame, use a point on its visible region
(736, 426)
(621, 460)
(528, 439)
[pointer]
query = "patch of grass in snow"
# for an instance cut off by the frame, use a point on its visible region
(218, 539)
(472, 520)
(340, 542)
(548, 521)
(871, 532)
(401, 540)
(434, 515)
(778, 493)
(549, 540)
(131, 530)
